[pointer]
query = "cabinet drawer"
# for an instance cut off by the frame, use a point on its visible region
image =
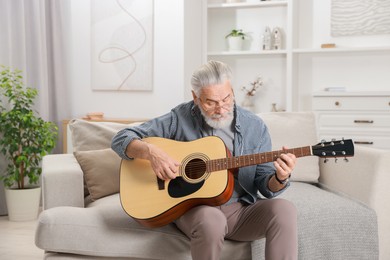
(359, 120)
(379, 142)
(351, 103)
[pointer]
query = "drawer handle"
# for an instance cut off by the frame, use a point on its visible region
(363, 121)
(363, 142)
(337, 103)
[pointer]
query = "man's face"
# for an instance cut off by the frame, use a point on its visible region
(216, 104)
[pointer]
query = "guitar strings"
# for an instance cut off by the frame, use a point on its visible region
(204, 166)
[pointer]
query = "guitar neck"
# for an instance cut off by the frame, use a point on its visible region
(253, 159)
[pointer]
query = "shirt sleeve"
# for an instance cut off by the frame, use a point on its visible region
(160, 126)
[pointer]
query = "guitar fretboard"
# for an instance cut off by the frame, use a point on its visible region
(253, 159)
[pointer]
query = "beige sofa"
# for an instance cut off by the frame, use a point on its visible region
(340, 204)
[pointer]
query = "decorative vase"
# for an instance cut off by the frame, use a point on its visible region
(23, 204)
(274, 109)
(267, 39)
(235, 43)
(248, 103)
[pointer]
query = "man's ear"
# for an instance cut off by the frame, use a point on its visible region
(194, 97)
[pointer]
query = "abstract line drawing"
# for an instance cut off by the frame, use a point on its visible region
(360, 17)
(122, 45)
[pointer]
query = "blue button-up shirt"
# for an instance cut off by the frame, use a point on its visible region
(185, 123)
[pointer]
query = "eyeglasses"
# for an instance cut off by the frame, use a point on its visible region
(210, 104)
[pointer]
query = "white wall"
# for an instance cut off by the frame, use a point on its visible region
(178, 49)
(322, 30)
(168, 83)
(356, 71)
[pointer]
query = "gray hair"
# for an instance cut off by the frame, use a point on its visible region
(211, 73)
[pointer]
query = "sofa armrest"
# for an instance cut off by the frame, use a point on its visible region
(62, 181)
(364, 178)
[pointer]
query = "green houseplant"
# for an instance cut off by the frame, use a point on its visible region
(236, 33)
(235, 39)
(25, 137)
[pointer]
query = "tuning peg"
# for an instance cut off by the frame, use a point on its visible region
(346, 159)
(326, 160)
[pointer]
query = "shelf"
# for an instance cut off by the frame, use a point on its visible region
(248, 5)
(351, 93)
(341, 50)
(236, 53)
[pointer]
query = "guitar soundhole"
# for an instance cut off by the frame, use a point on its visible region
(195, 169)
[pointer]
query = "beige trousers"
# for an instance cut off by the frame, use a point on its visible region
(208, 227)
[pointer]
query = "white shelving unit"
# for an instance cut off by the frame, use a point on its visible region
(252, 62)
(301, 67)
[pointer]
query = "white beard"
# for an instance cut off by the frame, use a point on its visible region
(218, 124)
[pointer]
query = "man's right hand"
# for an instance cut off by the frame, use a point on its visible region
(163, 165)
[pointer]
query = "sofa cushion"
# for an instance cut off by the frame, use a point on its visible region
(101, 171)
(295, 129)
(104, 229)
(329, 227)
(87, 135)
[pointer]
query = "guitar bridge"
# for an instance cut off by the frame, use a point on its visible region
(160, 184)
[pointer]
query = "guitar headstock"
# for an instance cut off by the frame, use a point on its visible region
(334, 149)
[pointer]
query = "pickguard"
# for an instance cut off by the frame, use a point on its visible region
(178, 187)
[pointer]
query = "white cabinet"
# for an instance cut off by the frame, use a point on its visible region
(361, 116)
(301, 67)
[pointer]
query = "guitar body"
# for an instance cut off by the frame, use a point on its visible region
(153, 202)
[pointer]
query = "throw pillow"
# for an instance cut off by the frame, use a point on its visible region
(295, 129)
(87, 135)
(101, 171)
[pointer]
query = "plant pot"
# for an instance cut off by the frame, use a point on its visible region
(23, 204)
(235, 43)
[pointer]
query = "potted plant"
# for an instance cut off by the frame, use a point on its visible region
(25, 139)
(235, 39)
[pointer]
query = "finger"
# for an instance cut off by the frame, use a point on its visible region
(160, 176)
(285, 169)
(288, 159)
(174, 168)
(170, 172)
(280, 172)
(283, 163)
(281, 167)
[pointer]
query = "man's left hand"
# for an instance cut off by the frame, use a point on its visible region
(285, 165)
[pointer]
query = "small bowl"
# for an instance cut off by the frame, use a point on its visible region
(95, 115)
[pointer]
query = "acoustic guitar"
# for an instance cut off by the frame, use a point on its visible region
(205, 176)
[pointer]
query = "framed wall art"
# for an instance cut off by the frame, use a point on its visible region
(122, 45)
(360, 17)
